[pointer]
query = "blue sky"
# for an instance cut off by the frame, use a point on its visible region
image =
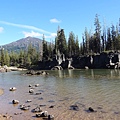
(22, 18)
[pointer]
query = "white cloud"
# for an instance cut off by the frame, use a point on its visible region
(32, 34)
(52, 35)
(54, 20)
(33, 29)
(25, 26)
(37, 34)
(1, 29)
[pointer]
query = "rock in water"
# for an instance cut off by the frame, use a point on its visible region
(15, 101)
(37, 109)
(12, 88)
(74, 107)
(42, 114)
(31, 91)
(36, 85)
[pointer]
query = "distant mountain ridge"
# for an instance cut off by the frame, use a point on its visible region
(22, 44)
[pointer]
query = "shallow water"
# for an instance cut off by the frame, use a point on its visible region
(99, 89)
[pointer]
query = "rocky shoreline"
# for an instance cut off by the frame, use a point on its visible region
(12, 68)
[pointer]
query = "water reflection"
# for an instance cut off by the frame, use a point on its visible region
(91, 74)
(65, 73)
(60, 73)
(70, 73)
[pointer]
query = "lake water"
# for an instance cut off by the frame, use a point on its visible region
(99, 89)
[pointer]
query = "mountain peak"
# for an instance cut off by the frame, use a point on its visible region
(23, 44)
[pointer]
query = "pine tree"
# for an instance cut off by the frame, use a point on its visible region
(50, 50)
(28, 61)
(118, 36)
(40, 52)
(86, 41)
(97, 35)
(7, 58)
(45, 49)
(2, 57)
(32, 53)
(109, 40)
(61, 42)
(77, 48)
(71, 44)
(14, 60)
(113, 35)
(21, 58)
(103, 37)
(83, 45)
(118, 42)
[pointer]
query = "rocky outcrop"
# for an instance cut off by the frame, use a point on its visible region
(69, 64)
(100, 61)
(57, 68)
(4, 69)
(103, 60)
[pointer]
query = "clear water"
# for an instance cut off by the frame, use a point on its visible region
(99, 89)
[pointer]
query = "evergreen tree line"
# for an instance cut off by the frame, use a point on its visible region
(97, 42)
(105, 39)
(25, 58)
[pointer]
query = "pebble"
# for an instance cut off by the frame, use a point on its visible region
(12, 88)
(31, 91)
(15, 101)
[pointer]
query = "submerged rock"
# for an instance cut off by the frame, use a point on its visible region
(50, 117)
(38, 93)
(90, 109)
(37, 109)
(23, 107)
(29, 101)
(30, 85)
(42, 114)
(74, 107)
(36, 85)
(32, 72)
(52, 106)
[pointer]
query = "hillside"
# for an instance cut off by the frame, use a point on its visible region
(23, 44)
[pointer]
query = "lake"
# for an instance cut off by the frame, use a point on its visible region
(99, 89)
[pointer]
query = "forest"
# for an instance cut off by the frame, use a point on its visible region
(103, 39)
